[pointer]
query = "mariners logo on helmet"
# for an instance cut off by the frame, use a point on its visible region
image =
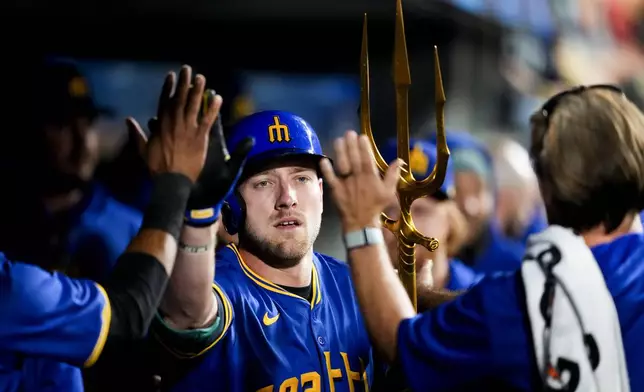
(277, 134)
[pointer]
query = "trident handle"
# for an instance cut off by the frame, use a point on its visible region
(409, 189)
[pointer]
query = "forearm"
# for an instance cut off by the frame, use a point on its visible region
(141, 274)
(429, 297)
(189, 301)
(163, 220)
(158, 244)
(382, 298)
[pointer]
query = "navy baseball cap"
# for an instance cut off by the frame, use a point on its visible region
(61, 92)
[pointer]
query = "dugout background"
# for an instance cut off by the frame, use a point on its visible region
(281, 51)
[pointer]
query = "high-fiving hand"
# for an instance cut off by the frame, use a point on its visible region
(219, 176)
(186, 136)
(359, 192)
(179, 142)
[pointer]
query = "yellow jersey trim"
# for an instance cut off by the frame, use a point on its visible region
(106, 320)
(227, 319)
(316, 297)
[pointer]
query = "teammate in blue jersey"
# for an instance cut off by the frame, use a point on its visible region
(103, 230)
(487, 248)
(481, 340)
(49, 318)
(281, 317)
(54, 212)
(437, 214)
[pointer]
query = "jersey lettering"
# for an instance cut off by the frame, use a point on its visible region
(312, 381)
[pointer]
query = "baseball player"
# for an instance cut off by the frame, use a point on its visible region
(54, 210)
(571, 318)
(49, 316)
(487, 248)
(279, 317)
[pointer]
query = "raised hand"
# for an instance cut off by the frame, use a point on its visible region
(179, 141)
(359, 192)
(219, 176)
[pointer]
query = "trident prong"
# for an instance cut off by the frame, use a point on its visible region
(402, 81)
(409, 189)
(365, 105)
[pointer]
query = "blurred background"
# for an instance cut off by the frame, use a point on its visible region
(499, 58)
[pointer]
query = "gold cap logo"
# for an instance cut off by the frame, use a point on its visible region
(418, 160)
(242, 107)
(78, 87)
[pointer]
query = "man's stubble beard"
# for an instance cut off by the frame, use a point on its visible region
(282, 255)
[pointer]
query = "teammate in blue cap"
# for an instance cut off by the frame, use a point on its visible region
(49, 320)
(279, 317)
(436, 215)
(55, 213)
(588, 152)
(487, 248)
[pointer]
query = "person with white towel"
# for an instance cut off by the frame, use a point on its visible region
(572, 318)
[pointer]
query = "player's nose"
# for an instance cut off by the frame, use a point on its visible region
(286, 197)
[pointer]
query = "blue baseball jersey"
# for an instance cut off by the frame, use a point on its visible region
(461, 277)
(482, 341)
(48, 317)
(102, 231)
(84, 242)
(44, 375)
(278, 341)
(499, 253)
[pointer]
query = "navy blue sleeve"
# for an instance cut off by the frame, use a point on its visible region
(480, 336)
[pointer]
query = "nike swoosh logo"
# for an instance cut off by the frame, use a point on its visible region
(270, 320)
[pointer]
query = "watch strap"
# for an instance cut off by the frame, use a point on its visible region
(365, 237)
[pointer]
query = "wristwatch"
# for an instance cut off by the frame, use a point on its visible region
(365, 237)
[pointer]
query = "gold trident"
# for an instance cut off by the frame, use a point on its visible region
(409, 189)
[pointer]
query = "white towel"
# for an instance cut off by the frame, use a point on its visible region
(585, 351)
